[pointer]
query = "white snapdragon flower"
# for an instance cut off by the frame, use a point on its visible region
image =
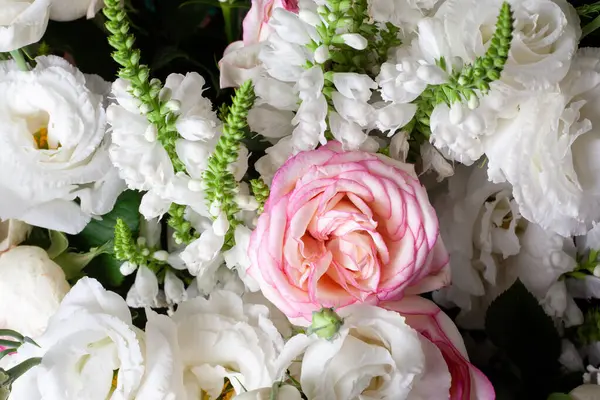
(144, 163)
(221, 337)
(22, 22)
(69, 10)
(548, 151)
(406, 14)
(92, 351)
(237, 257)
(491, 245)
(274, 158)
(545, 38)
(31, 289)
(54, 147)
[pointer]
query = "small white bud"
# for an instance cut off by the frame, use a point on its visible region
(597, 271)
(165, 94)
(151, 133)
(160, 255)
(332, 17)
(309, 17)
(145, 252)
(195, 185)
(473, 102)
(322, 54)
(127, 268)
(173, 105)
(355, 41)
(145, 108)
(221, 225)
(215, 209)
(321, 9)
(141, 241)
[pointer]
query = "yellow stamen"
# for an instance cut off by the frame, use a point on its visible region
(115, 380)
(41, 140)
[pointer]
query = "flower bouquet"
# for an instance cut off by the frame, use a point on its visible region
(362, 199)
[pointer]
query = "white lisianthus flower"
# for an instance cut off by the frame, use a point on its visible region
(491, 245)
(22, 22)
(12, 232)
(31, 289)
(221, 337)
(545, 38)
(54, 147)
(406, 14)
(69, 10)
(92, 351)
(284, 392)
(548, 152)
(144, 163)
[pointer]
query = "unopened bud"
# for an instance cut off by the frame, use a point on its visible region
(309, 17)
(151, 133)
(325, 323)
(221, 225)
(141, 241)
(355, 40)
(127, 268)
(145, 108)
(322, 54)
(195, 186)
(160, 255)
(173, 105)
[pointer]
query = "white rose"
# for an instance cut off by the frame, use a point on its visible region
(491, 245)
(545, 38)
(374, 355)
(53, 149)
(404, 14)
(69, 10)
(548, 152)
(22, 22)
(92, 351)
(31, 289)
(284, 392)
(12, 232)
(221, 337)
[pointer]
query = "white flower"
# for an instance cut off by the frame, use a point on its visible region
(310, 124)
(398, 78)
(270, 122)
(284, 60)
(354, 86)
(237, 257)
(144, 163)
(352, 110)
(88, 341)
(548, 151)
(69, 10)
(348, 133)
(284, 392)
(239, 63)
(388, 118)
(54, 147)
(274, 158)
(31, 289)
(546, 35)
(355, 40)
(22, 22)
(374, 355)
(491, 245)
(432, 160)
(221, 337)
(405, 14)
(12, 232)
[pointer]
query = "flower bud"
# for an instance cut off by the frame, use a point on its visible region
(355, 41)
(173, 105)
(473, 102)
(195, 185)
(432, 74)
(322, 54)
(597, 271)
(309, 17)
(151, 133)
(221, 224)
(141, 241)
(127, 268)
(145, 108)
(325, 323)
(160, 255)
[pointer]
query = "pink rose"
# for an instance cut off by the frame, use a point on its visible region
(256, 22)
(240, 60)
(345, 227)
(448, 355)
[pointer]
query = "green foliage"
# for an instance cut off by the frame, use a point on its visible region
(159, 112)
(589, 331)
(221, 186)
(520, 328)
(261, 192)
(182, 229)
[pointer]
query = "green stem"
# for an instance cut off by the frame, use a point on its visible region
(20, 369)
(590, 27)
(226, 9)
(17, 55)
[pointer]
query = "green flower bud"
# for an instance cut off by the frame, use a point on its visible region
(325, 323)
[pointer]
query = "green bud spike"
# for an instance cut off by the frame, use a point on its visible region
(261, 192)
(325, 323)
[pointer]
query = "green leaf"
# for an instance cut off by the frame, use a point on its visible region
(99, 232)
(106, 269)
(74, 263)
(559, 396)
(58, 244)
(518, 325)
